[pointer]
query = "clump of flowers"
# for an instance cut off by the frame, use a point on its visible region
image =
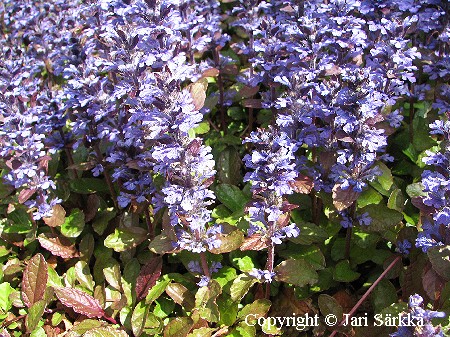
(436, 185)
(421, 320)
(272, 177)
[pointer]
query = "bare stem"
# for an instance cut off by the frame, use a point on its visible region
(412, 112)
(148, 220)
(223, 118)
(269, 265)
(367, 293)
(107, 176)
(348, 237)
(204, 264)
(348, 240)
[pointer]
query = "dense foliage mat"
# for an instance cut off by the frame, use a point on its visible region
(206, 168)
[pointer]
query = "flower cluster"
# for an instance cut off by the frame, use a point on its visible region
(30, 105)
(421, 321)
(272, 176)
(436, 185)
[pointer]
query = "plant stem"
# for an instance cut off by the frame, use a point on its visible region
(204, 263)
(107, 176)
(223, 120)
(412, 112)
(269, 265)
(348, 237)
(148, 220)
(367, 293)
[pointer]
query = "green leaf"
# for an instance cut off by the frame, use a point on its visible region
(178, 327)
(415, 190)
(205, 301)
(5, 291)
(297, 272)
(258, 308)
(383, 218)
(225, 275)
(240, 287)
(325, 280)
(244, 261)
(383, 295)
(163, 307)
(157, 290)
(309, 233)
(229, 242)
(21, 222)
(161, 244)
(243, 330)
(368, 197)
(328, 305)
(84, 276)
(80, 328)
(86, 247)
(138, 318)
(201, 332)
(228, 166)
(343, 272)
(38, 332)
(126, 238)
(102, 219)
(54, 280)
(34, 315)
(202, 128)
(231, 196)
(384, 182)
(228, 310)
(88, 185)
(440, 260)
(111, 271)
(396, 200)
(73, 224)
(312, 254)
(269, 327)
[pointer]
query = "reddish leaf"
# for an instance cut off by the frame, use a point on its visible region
(283, 220)
(254, 242)
(92, 205)
(79, 301)
(287, 9)
(57, 218)
(194, 147)
(148, 276)
(252, 103)
(302, 184)
(230, 69)
(43, 162)
(211, 72)
(26, 194)
(248, 91)
(58, 247)
(34, 281)
(432, 283)
(333, 70)
(287, 207)
(181, 295)
(327, 160)
(343, 199)
(198, 92)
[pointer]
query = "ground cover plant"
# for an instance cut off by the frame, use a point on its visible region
(206, 168)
